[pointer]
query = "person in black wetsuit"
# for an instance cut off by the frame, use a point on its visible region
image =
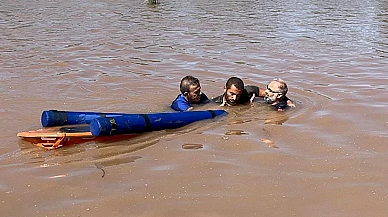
(235, 93)
(275, 94)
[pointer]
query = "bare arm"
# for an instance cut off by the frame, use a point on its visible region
(290, 103)
(261, 92)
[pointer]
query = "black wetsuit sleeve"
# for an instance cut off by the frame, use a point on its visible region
(251, 89)
(244, 98)
(218, 99)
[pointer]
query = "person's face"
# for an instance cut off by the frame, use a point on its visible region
(194, 95)
(272, 92)
(232, 95)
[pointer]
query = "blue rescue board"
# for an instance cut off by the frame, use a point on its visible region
(138, 123)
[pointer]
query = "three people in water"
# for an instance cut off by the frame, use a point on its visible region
(235, 93)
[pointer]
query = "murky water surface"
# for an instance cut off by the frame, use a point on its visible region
(326, 157)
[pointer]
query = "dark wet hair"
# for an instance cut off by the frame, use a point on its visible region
(237, 82)
(188, 81)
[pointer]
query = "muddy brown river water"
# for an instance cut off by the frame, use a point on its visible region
(326, 157)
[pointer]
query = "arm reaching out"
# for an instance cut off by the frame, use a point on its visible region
(252, 98)
(291, 104)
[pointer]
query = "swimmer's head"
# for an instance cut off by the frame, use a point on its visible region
(275, 91)
(233, 89)
(191, 88)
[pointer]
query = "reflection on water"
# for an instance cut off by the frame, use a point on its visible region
(235, 132)
(192, 146)
(270, 143)
(276, 118)
(108, 152)
(260, 112)
(114, 162)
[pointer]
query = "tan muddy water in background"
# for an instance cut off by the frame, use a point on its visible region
(327, 157)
